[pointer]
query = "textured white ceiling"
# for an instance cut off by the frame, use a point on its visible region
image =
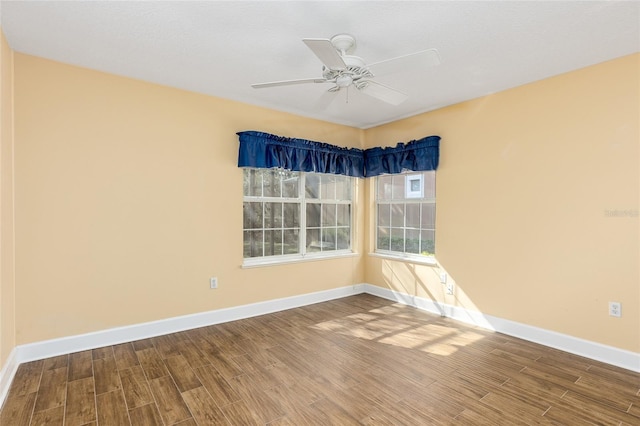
(220, 48)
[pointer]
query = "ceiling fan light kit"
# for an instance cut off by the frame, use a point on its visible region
(343, 69)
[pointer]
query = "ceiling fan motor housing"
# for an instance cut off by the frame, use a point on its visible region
(356, 69)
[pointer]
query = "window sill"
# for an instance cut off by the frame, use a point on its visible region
(423, 260)
(296, 259)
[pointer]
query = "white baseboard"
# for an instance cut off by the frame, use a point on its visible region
(588, 349)
(113, 336)
(7, 373)
(70, 344)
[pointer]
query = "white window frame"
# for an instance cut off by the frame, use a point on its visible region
(302, 201)
(411, 197)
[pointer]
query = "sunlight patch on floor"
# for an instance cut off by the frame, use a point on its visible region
(401, 331)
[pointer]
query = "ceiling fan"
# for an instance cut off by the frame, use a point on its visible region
(345, 70)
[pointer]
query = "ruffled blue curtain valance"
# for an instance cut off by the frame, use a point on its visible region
(419, 155)
(263, 150)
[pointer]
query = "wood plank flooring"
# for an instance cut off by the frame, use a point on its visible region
(358, 360)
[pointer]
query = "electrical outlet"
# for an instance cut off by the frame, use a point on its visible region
(450, 288)
(213, 282)
(615, 309)
(443, 277)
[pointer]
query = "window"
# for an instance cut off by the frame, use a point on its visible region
(288, 215)
(406, 213)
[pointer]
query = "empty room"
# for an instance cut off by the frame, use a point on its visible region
(319, 213)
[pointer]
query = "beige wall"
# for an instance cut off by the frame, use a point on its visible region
(128, 199)
(7, 281)
(525, 182)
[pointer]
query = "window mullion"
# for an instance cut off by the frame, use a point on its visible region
(420, 228)
(351, 213)
(321, 220)
(303, 215)
(404, 228)
(262, 204)
(281, 224)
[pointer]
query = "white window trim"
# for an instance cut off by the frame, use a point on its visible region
(408, 258)
(303, 256)
(256, 262)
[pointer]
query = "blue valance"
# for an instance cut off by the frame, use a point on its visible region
(265, 151)
(419, 155)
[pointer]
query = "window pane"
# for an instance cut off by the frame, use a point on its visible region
(328, 215)
(313, 215)
(273, 215)
(246, 215)
(344, 238)
(253, 243)
(268, 243)
(384, 214)
(397, 215)
(246, 245)
(413, 216)
(313, 240)
(312, 185)
(343, 188)
(291, 215)
(273, 242)
(344, 214)
(427, 243)
(271, 184)
(253, 182)
(328, 191)
(277, 241)
(397, 239)
(428, 216)
(430, 185)
(328, 239)
(290, 184)
(384, 241)
(397, 192)
(412, 242)
(252, 215)
(245, 181)
(384, 187)
(291, 244)
(277, 215)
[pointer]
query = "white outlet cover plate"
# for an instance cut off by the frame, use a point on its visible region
(615, 309)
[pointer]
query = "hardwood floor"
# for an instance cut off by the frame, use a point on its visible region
(357, 360)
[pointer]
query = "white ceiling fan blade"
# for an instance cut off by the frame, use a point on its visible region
(288, 82)
(382, 92)
(326, 52)
(423, 59)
